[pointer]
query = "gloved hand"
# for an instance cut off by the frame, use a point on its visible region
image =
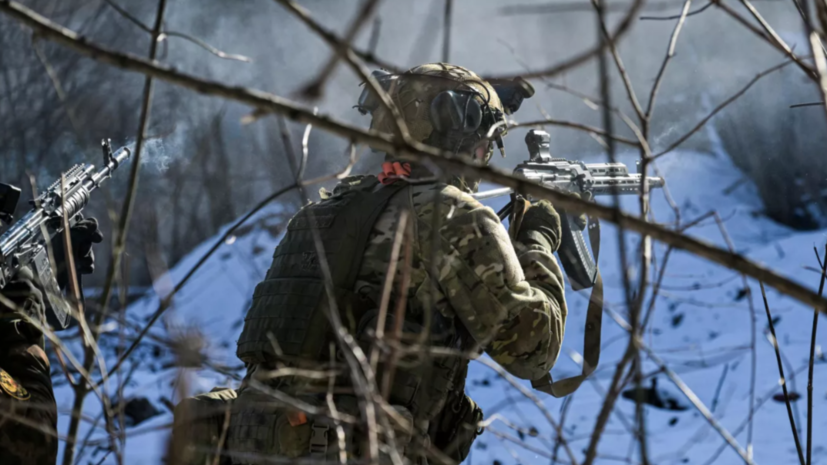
(540, 226)
(83, 235)
(27, 299)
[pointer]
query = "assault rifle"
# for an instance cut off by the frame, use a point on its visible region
(24, 244)
(578, 178)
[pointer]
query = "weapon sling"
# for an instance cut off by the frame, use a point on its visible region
(591, 336)
(594, 312)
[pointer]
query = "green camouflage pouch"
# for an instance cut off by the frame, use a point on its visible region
(200, 426)
(454, 430)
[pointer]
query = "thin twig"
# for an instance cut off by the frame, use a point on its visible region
(608, 403)
(713, 459)
(61, 94)
(387, 287)
(199, 42)
(634, 302)
(776, 39)
(622, 28)
(557, 7)
(89, 341)
(687, 392)
(347, 54)
(316, 86)
(810, 104)
(537, 402)
(810, 72)
(753, 334)
(718, 388)
(812, 360)
(578, 126)
(665, 18)
(720, 107)
(782, 380)
(218, 53)
(611, 44)
(399, 313)
(168, 299)
(120, 241)
(305, 153)
(821, 65)
(670, 52)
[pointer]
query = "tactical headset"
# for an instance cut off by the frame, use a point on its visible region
(457, 114)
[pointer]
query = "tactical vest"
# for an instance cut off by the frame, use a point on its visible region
(288, 318)
(290, 306)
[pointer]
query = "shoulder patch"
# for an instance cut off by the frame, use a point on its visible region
(12, 387)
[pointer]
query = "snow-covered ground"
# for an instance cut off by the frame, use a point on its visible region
(700, 327)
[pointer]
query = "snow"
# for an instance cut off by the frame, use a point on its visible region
(700, 327)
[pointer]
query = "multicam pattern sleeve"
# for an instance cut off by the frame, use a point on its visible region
(510, 296)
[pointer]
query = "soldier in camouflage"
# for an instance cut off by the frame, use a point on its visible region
(467, 284)
(28, 414)
(27, 430)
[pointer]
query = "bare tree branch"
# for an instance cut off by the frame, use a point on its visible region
(573, 125)
(812, 361)
(687, 392)
(665, 18)
(780, 46)
(622, 28)
(782, 381)
(315, 88)
(119, 245)
(168, 299)
(720, 107)
(670, 52)
(346, 53)
(196, 41)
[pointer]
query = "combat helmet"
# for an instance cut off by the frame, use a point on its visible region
(448, 107)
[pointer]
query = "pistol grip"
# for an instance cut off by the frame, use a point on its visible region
(575, 256)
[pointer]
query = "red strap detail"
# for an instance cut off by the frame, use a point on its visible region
(296, 418)
(391, 171)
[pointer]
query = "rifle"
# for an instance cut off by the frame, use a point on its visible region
(25, 244)
(574, 177)
(581, 266)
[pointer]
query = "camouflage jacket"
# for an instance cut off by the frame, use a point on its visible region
(469, 286)
(27, 406)
(508, 296)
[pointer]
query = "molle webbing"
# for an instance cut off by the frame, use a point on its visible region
(290, 305)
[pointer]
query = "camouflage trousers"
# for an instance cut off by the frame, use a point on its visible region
(250, 427)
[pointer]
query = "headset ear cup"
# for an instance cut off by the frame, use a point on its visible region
(445, 112)
(455, 112)
(473, 115)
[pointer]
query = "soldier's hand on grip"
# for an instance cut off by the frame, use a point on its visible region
(83, 235)
(540, 226)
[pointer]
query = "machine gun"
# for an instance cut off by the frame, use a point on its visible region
(24, 244)
(579, 178)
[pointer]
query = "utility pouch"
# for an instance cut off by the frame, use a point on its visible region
(262, 427)
(200, 426)
(454, 430)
